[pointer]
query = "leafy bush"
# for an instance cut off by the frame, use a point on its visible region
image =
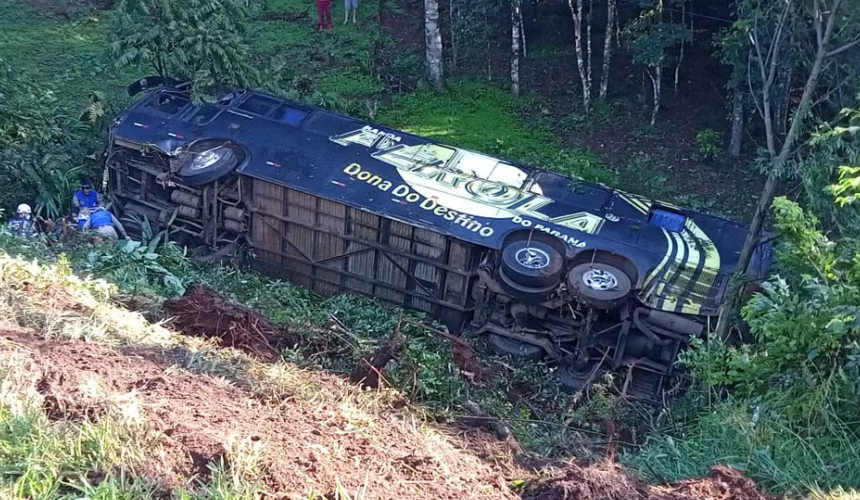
(806, 357)
(795, 393)
(708, 141)
(832, 169)
(43, 150)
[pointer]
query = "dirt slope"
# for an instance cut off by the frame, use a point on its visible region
(307, 446)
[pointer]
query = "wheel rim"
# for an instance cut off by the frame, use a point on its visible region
(532, 258)
(206, 159)
(600, 279)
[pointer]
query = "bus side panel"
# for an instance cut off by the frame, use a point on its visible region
(331, 248)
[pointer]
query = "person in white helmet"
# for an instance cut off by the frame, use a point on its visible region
(23, 225)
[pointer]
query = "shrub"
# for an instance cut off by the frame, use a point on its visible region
(708, 141)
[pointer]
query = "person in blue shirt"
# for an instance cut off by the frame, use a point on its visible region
(86, 197)
(104, 223)
(23, 225)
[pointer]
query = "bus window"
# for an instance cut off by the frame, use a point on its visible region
(290, 115)
(259, 105)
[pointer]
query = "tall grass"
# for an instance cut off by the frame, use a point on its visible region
(757, 440)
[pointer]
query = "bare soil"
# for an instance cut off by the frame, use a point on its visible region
(203, 313)
(608, 481)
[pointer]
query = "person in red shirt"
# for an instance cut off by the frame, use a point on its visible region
(324, 12)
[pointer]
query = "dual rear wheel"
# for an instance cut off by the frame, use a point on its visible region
(532, 270)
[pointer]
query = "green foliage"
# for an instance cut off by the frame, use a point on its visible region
(199, 40)
(601, 112)
(483, 118)
(790, 422)
(137, 266)
(830, 173)
(42, 150)
(708, 142)
(651, 39)
(806, 326)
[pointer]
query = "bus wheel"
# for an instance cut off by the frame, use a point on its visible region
(599, 285)
(532, 264)
(573, 379)
(208, 160)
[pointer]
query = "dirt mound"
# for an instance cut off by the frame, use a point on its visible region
(204, 313)
(609, 482)
(307, 445)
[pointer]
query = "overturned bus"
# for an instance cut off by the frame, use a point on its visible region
(548, 267)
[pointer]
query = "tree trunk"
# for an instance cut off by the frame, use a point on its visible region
(588, 46)
(656, 85)
(737, 119)
(433, 43)
(515, 48)
(576, 12)
(522, 28)
(681, 52)
(453, 42)
(607, 47)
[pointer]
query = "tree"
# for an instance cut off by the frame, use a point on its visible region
(516, 35)
(651, 39)
(611, 15)
(198, 40)
(779, 38)
(583, 50)
(433, 44)
(731, 47)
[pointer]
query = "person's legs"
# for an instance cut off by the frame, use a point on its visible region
(345, 11)
(328, 14)
(109, 232)
(354, 10)
(320, 14)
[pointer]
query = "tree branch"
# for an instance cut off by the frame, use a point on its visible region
(848, 46)
(809, 89)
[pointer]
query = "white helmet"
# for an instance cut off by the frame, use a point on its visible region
(23, 208)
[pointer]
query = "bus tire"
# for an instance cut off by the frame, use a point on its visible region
(532, 264)
(599, 285)
(227, 160)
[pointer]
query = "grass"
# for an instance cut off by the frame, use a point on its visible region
(67, 56)
(485, 118)
(543, 418)
(334, 70)
(758, 442)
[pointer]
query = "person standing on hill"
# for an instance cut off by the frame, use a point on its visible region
(324, 13)
(347, 5)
